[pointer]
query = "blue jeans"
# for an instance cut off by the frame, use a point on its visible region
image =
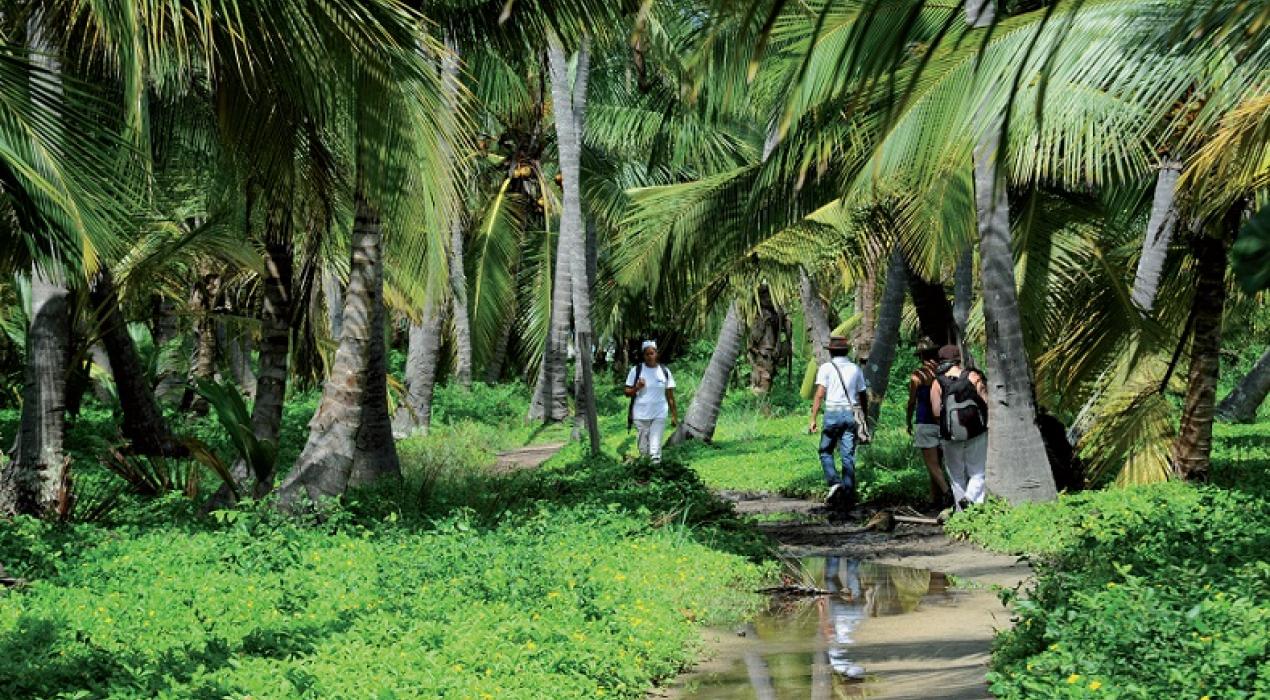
(839, 431)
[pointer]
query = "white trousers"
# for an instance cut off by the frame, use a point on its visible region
(650, 432)
(966, 461)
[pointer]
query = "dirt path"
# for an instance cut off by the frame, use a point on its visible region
(935, 651)
(525, 457)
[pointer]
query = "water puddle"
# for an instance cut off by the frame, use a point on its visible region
(804, 645)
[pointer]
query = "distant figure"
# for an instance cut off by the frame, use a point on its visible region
(959, 401)
(926, 435)
(651, 388)
(840, 386)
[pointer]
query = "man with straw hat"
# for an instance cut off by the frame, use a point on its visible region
(840, 387)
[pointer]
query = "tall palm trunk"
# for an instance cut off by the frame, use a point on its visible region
(277, 310)
(422, 353)
(765, 342)
(569, 106)
(375, 456)
(203, 304)
(816, 317)
(866, 308)
(30, 482)
(934, 312)
(165, 327)
(494, 370)
(1018, 466)
(325, 467)
(458, 310)
(238, 356)
(459, 316)
(551, 401)
(1194, 444)
(143, 423)
(333, 290)
(1160, 228)
(1248, 395)
(877, 371)
(703, 412)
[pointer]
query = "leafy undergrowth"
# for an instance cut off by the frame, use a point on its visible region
(583, 579)
(1145, 592)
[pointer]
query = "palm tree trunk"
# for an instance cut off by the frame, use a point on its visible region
(1248, 395)
(325, 467)
(816, 317)
(764, 343)
(422, 353)
(238, 355)
(1194, 444)
(333, 290)
(551, 401)
(143, 423)
(877, 371)
(1155, 245)
(934, 312)
(963, 292)
(494, 370)
(203, 304)
(703, 412)
(866, 308)
(569, 107)
(30, 482)
(165, 327)
(458, 310)
(277, 310)
(458, 276)
(1018, 466)
(375, 456)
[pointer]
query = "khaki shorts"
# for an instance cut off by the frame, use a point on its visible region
(925, 436)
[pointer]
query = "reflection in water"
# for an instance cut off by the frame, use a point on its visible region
(801, 647)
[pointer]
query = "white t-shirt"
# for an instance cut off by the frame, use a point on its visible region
(836, 390)
(650, 402)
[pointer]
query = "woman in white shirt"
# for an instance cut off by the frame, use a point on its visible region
(652, 388)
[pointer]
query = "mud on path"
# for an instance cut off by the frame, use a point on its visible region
(527, 457)
(937, 646)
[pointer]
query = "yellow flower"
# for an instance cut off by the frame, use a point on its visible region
(530, 645)
(1072, 679)
(1111, 584)
(1205, 698)
(553, 594)
(458, 668)
(1095, 685)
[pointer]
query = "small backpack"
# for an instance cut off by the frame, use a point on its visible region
(963, 414)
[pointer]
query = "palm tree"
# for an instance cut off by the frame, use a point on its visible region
(1194, 444)
(703, 412)
(1240, 406)
(350, 436)
(423, 349)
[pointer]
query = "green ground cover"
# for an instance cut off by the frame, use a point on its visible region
(1143, 592)
(586, 578)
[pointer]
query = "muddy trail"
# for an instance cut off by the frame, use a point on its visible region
(866, 612)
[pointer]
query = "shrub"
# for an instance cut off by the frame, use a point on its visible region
(1158, 591)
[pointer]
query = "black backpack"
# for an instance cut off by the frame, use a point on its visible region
(963, 413)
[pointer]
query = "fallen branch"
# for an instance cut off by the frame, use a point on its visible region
(913, 519)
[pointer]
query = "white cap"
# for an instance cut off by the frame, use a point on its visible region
(648, 344)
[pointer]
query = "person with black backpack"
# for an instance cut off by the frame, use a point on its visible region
(959, 402)
(651, 388)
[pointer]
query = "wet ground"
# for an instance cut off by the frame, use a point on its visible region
(903, 614)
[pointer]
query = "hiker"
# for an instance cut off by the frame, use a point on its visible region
(926, 436)
(651, 388)
(840, 386)
(958, 399)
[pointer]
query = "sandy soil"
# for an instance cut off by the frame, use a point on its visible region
(934, 652)
(525, 457)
